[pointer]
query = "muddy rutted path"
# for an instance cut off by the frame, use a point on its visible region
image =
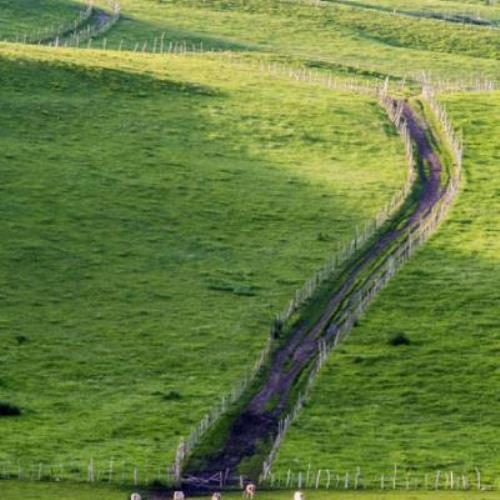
(93, 24)
(258, 422)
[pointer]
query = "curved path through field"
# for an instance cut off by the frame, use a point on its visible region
(256, 423)
(92, 26)
(455, 18)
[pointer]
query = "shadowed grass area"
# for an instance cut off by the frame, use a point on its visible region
(153, 224)
(430, 403)
(27, 17)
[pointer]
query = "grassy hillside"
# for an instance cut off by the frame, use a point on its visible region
(156, 214)
(467, 10)
(331, 35)
(156, 211)
(433, 404)
(26, 17)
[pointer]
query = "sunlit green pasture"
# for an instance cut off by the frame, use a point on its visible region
(329, 36)
(432, 405)
(470, 9)
(156, 213)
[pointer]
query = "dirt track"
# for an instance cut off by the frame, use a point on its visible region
(256, 423)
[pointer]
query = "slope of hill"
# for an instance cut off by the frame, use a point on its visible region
(157, 213)
(431, 404)
(28, 18)
(364, 41)
(159, 209)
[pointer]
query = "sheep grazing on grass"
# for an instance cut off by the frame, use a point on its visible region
(135, 496)
(249, 491)
(298, 495)
(179, 495)
(216, 496)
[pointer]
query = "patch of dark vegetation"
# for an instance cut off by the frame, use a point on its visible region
(21, 339)
(244, 290)
(9, 410)
(172, 395)
(398, 339)
(366, 360)
(323, 237)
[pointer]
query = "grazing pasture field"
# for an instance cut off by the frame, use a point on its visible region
(430, 401)
(158, 210)
(153, 223)
(471, 10)
(336, 36)
(24, 17)
(13, 490)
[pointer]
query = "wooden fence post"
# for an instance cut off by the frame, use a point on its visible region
(91, 471)
(318, 478)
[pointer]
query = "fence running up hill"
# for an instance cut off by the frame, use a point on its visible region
(304, 294)
(417, 234)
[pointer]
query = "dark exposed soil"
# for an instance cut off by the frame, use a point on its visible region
(100, 18)
(256, 424)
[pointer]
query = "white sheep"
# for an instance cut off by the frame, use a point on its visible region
(249, 491)
(179, 495)
(135, 496)
(298, 495)
(216, 496)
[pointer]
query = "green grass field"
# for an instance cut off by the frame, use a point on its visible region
(153, 224)
(325, 36)
(26, 17)
(157, 211)
(469, 9)
(13, 490)
(431, 405)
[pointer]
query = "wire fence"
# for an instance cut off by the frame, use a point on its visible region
(304, 294)
(357, 303)
(49, 33)
(417, 234)
(84, 34)
(89, 471)
(127, 474)
(104, 21)
(397, 479)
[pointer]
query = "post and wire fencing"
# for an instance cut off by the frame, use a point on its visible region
(417, 234)
(304, 294)
(393, 478)
(49, 33)
(129, 474)
(357, 302)
(110, 471)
